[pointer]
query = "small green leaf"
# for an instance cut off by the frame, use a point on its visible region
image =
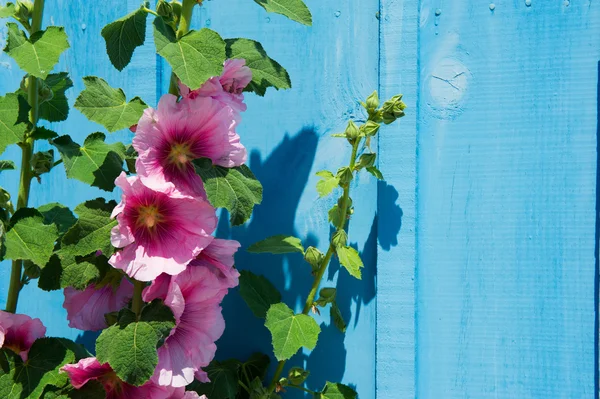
(235, 189)
(350, 259)
(41, 133)
(11, 132)
(295, 10)
(59, 215)
(130, 346)
(290, 332)
(79, 272)
(7, 10)
(280, 244)
(38, 54)
(365, 161)
(56, 109)
(7, 165)
(92, 231)
(29, 238)
(24, 106)
(95, 163)
(266, 72)
(375, 172)
(327, 183)
(335, 216)
(195, 57)
(258, 293)
(28, 379)
(337, 318)
(338, 391)
(107, 106)
(123, 36)
(223, 380)
(255, 366)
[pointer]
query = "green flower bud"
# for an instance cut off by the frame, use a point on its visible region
(45, 93)
(365, 161)
(5, 199)
(344, 175)
(314, 257)
(164, 9)
(31, 269)
(328, 294)
(393, 109)
(42, 162)
(340, 238)
(24, 85)
(370, 128)
(297, 375)
(351, 131)
(23, 10)
(372, 101)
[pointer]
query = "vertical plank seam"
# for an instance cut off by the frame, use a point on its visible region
(597, 253)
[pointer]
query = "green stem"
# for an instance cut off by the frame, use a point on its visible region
(137, 302)
(302, 389)
(310, 300)
(149, 11)
(185, 21)
(26, 153)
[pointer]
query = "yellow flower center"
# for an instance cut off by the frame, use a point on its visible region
(149, 216)
(180, 154)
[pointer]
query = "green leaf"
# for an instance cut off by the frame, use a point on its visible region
(235, 189)
(255, 366)
(10, 131)
(91, 390)
(350, 259)
(223, 380)
(24, 106)
(29, 238)
(130, 346)
(290, 332)
(335, 216)
(7, 165)
(123, 36)
(338, 391)
(365, 161)
(92, 231)
(38, 54)
(59, 215)
(266, 72)
(56, 109)
(279, 244)
(41, 133)
(295, 10)
(79, 272)
(195, 57)
(107, 106)
(327, 183)
(337, 318)
(375, 172)
(258, 293)
(7, 10)
(95, 163)
(28, 379)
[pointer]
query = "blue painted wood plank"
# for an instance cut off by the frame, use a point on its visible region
(87, 56)
(396, 208)
(506, 199)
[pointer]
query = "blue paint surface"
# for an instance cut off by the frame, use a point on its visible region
(480, 244)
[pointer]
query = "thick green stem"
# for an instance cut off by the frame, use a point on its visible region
(185, 21)
(310, 300)
(137, 302)
(26, 153)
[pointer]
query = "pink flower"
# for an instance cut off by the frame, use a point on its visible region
(227, 88)
(86, 309)
(194, 297)
(159, 231)
(90, 369)
(170, 137)
(18, 332)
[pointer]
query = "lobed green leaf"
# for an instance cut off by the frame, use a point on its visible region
(350, 259)
(279, 244)
(337, 391)
(28, 238)
(223, 380)
(123, 36)
(258, 293)
(11, 132)
(195, 57)
(295, 10)
(327, 183)
(235, 189)
(266, 72)
(289, 331)
(375, 172)
(39, 54)
(107, 106)
(57, 108)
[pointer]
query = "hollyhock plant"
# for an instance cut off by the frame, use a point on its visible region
(89, 369)
(227, 88)
(86, 309)
(159, 231)
(168, 138)
(194, 296)
(18, 332)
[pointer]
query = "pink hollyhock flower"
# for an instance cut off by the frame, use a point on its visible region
(86, 309)
(159, 231)
(169, 138)
(89, 369)
(227, 88)
(18, 332)
(194, 296)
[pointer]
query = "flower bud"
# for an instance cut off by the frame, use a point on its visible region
(372, 101)
(314, 257)
(370, 128)
(42, 162)
(297, 375)
(340, 238)
(393, 109)
(5, 199)
(23, 10)
(328, 294)
(351, 131)
(24, 85)
(45, 93)
(344, 175)
(164, 9)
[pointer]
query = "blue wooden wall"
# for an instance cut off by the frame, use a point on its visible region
(480, 245)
